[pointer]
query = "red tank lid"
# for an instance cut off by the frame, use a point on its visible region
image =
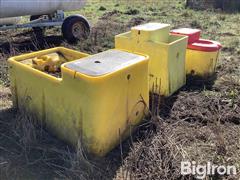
(205, 45)
(193, 34)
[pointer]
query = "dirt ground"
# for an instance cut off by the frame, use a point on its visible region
(200, 122)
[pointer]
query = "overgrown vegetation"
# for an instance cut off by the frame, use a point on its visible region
(201, 122)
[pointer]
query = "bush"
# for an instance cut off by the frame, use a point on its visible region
(102, 8)
(132, 12)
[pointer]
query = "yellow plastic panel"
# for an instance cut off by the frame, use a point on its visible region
(155, 32)
(201, 63)
(166, 55)
(92, 105)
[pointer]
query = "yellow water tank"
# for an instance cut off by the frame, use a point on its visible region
(201, 63)
(97, 101)
(166, 54)
(202, 55)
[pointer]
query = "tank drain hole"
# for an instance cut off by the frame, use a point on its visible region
(137, 113)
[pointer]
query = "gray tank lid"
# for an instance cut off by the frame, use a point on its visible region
(104, 63)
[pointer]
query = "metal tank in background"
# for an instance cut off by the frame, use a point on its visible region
(44, 14)
(14, 8)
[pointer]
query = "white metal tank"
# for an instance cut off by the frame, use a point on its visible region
(14, 8)
(10, 21)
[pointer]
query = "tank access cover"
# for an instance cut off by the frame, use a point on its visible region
(104, 63)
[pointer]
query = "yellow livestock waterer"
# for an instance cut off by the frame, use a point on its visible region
(202, 54)
(96, 100)
(166, 54)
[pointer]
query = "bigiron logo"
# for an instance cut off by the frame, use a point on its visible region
(209, 169)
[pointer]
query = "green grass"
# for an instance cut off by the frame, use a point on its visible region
(214, 24)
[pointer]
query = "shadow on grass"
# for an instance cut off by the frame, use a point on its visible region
(194, 83)
(200, 83)
(167, 104)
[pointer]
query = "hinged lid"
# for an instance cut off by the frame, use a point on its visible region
(104, 63)
(205, 45)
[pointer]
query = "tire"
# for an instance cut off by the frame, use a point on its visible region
(37, 30)
(75, 28)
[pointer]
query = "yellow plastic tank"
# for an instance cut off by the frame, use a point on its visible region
(202, 54)
(97, 101)
(201, 63)
(166, 55)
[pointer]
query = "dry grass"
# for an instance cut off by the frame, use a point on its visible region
(200, 122)
(199, 128)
